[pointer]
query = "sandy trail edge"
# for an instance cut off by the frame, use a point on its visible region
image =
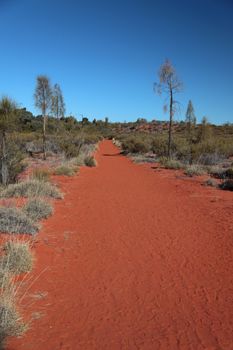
(136, 260)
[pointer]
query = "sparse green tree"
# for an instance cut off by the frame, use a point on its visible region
(170, 84)
(204, 131)
(8, 118)
(43, 101)
(190, 121)
(58, 104)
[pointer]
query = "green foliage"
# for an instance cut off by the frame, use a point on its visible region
(135, 144)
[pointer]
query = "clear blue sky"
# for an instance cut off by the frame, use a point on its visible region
(105, 54)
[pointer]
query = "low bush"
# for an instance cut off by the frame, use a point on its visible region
(31, 188)
(90, 161)
(171, 163)
(37, 209)
(210, 182)
(135, 145)
(17, 257)
(194, 170)
(64, 170)
(5, 277)
(229, 173)
(11, 323)
(13, 220)
(41, 174)
(227, 185)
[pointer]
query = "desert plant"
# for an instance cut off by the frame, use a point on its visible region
(43, 100)
(14, 220)
(171, 163)
(170, 84)
(31, 188)
(210, 182)
(17, 257)
(5, 277)
(64, 170)
(227, 185)
(194, 169)
(11, 323)
(41, 174)
(37, 209)
(90, 161)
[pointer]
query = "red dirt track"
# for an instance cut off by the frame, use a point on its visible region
(136, 259)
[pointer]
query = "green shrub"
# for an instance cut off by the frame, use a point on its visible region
(13, 220)
(194, 169)
(90, 161)
(41, 174)
(17, 257)
(64, 170)
(133, 144)
(31, 188)
(14, 161)
(37, 209)
(159, 146)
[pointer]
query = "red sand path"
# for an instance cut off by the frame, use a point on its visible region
(136, 260)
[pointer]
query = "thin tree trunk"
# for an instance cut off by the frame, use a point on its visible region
(170, 125)
(5, 173)
(44, 136)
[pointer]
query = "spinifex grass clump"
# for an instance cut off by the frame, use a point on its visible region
(41, 174)
(64, 170)
(13, 220)
(90, 161)
(37, 209)
(31, 188)
(11, 323)
(171, 163)
(194, 169)
(17, 257)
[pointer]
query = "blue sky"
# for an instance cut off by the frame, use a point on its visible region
(106, 54)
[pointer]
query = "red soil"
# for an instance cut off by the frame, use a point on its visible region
(134, 259)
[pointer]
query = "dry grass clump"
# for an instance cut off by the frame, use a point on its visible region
(5, 277)
(64, 170)
(211, 182)
(171, 163)
(41, 174)
(11, 323)
(17, 257)
(31, 188)
(90, 161)
(37, 209)
(13, 220)
(194, 169)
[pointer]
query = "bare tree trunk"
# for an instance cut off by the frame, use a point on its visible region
(44, 136)
(170, 125)
(5, 173)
